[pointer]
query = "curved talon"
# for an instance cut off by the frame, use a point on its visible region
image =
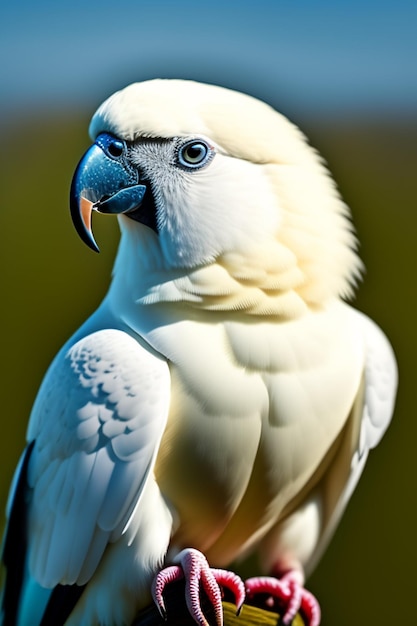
(296, 594)
(234, 583)
(193, 566)
(289, 591)
(269, 585)
(164, 577)
(310, 608)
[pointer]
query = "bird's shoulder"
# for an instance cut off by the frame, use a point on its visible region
(105, 368)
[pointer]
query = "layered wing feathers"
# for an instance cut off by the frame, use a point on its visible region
(97, 424)
(372, 413)
(381, 379)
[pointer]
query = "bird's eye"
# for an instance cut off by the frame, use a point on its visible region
(194, 154)
(112, 146)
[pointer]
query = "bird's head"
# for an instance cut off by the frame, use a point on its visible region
(218, 180)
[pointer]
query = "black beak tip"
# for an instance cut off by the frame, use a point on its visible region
(91, 243)
(81, 210)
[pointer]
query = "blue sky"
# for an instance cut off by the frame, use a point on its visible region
(310, 56)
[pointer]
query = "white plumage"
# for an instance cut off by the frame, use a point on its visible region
(223, 397)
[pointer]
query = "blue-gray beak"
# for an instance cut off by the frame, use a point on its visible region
(106, 182)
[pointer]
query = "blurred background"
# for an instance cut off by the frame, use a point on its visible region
(345, 72)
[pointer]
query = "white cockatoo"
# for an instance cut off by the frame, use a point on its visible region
(223, 398)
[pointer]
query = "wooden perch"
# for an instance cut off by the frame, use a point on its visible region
(178, 615)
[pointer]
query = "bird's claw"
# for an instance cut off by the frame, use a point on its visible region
(290, 593)
(193, 566)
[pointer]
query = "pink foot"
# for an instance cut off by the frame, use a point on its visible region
(290, 591)
(193, 565)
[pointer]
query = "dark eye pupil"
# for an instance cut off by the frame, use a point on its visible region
(194, 153)
(115, 148)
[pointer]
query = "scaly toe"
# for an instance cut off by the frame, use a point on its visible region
(289, 591)
(163, 578)
(193, 566)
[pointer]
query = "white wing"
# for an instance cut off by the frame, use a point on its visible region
(381, 379)
(97, 424)
(373, 410)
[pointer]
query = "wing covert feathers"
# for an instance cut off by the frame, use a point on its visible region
(97, 423)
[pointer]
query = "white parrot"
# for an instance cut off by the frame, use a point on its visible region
(223, 398)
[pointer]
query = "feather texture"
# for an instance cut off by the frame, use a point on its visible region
(223, 397)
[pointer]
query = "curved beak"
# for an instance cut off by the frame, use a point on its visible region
(104, 181)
